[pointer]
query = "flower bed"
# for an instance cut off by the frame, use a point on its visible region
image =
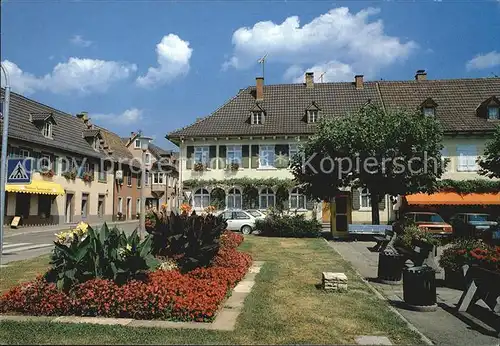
(169, 295)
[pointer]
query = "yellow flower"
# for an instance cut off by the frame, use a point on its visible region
(129, 247)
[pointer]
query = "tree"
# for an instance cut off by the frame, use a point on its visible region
(490, 163)
(393, 153)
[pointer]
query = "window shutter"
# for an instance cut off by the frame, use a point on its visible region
(55, 164)
(189, 157)
(355, 199)
(281, 156)
(222, 156)
(381, 205)
(245, 153)
(212, 154)
(255, 156)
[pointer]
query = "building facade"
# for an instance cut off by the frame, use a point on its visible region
(248, 140)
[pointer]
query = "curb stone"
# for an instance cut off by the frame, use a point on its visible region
(379, 295)
(225, 319)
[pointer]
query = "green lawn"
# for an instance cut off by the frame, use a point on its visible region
(284, 306)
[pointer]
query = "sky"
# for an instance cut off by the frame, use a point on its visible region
(157, 66)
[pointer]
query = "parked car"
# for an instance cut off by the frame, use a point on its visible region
(472, 224)
(239, 220)
(431, 222)
(256, 213)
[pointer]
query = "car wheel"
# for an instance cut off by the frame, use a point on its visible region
(246, 229)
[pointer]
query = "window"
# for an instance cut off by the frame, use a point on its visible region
(100, 206)
(201, 155)
(147, 158)
(138, 206)
(201, 198)
(266, 199)
(44, 206)
(364, 199)
(445, 159)
(428, 217)
(429, 111)
(146, 178)
(297, 200)
(233, 154)
(85, 205)
(257, 118)
(129, 178)
(312, 116)
(241, 215)
(47, 130)
(234, 199)
(96, 144)
(139, 180)
(266, 156)
(228, 215)
(24, 153)
(45, 163)
(493, 113)
(120, 205)
(467, 157)
(157, 178)
(137, 144)
(102, 172)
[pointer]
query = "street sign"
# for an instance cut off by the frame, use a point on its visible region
(19, 171)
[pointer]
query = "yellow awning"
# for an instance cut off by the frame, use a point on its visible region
(37, 187)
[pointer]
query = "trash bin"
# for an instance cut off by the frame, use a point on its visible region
(390, 267)
(419, 288)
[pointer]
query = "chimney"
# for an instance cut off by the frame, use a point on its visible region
(421, 75)
(358, 81)
(310, 80)
(83, 116)
(259, 93)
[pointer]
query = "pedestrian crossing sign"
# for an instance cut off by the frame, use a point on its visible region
(19, 170)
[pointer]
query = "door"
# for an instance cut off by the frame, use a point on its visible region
(228, 215)
(326, 214)
(69, 208)
(85, 205)
(129, 208)
(241, 219)
(100, 206)
(342, 213)
(23, 204)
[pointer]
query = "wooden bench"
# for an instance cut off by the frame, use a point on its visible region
(383, 241)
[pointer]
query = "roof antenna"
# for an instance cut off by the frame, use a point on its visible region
(494, 75)
(321, 77)
(263, 62)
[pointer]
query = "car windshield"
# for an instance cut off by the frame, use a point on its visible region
(254, 213)
(479, 217)
(428, 218)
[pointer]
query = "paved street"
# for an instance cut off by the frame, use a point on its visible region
(442, 326)
(28, 243)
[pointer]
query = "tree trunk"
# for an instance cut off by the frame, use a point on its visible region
(375, 210)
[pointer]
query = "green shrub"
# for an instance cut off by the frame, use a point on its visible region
(192, 240)
(107, 254)
(411, 234)
(292, 226)
(459, 253)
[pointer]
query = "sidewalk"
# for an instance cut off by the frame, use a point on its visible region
(441, 326)
(55, 228)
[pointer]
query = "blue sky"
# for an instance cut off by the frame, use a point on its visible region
(159, 65)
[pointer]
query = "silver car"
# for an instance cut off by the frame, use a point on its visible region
(256, 213)
(239, 220)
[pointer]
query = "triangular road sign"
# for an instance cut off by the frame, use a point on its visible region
(19, 172)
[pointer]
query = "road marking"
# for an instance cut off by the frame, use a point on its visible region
(26, 248)
(7, 245)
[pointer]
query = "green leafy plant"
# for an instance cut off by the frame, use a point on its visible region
(412, 235)
(199, 167)
(192, 240)
(469, 186)
(107, 254)
(459, 253)
(276, 224)
(69, 175)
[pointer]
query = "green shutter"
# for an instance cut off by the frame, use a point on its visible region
(255, 156)
(281, 155)
(245, 153)
(355, 199)
(222, 156)
(212, 154)
(189, 156)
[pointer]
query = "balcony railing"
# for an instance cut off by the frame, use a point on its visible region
(158, 187)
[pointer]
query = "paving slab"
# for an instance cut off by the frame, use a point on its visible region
(373, 340)
(169, 324)
(442, 326)
(93, 320)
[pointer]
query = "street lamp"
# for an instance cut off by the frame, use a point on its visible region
(3, 160)
(144, 147)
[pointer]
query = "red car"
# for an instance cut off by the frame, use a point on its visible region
(430, 222)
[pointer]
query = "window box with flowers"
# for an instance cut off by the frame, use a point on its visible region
(47, 173)
(88, 177)
(69, 175)
(234, 166)
(199, 167)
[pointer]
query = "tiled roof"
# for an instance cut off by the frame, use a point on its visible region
(90, 133)
(285, 105)
(157, 151)
(67, 133)
(115, 144)
(40, 116)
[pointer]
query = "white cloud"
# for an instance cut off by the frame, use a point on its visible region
(76, 75)
(482, 61)
(128, 117)
(79, 41)
(173, 56)
(336, 36)
(332, 71)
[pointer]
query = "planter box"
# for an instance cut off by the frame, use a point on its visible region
(455, 279)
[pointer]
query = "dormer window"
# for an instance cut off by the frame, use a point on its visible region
(257, 118)
(47, 129)
(493, 113)
(312, 116)
(96, 144)
(137, 144)
(429, 111)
